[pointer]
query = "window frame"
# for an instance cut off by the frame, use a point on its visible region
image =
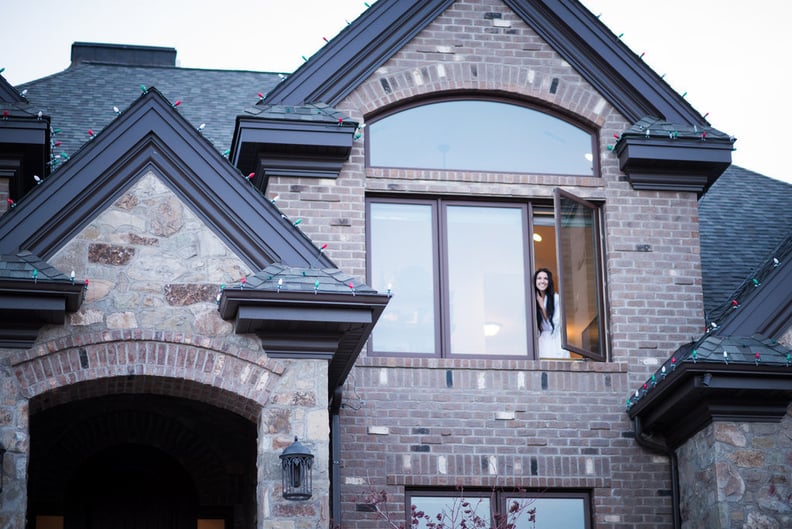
(498, 499)
(436, 267)
(442, 335)
(440, 277)
(464, 95)
(599, 271)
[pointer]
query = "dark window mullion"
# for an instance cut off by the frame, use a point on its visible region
(443, 300)
(530, 294)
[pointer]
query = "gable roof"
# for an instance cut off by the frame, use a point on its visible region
(8, 94)
(743, 219)
(575, 33)
(153, 136)
(82, 97)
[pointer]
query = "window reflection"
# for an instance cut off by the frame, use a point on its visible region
(451, 512)
(497, 510)
(486, 276)
(551, 513)
(577, 239)
(480, 136)
(402, 260)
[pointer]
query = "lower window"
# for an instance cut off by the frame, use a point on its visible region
(459, 509)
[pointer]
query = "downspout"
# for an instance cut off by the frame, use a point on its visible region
(662, 448)
(335, 457)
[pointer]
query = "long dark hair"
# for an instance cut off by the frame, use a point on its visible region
(550, 295)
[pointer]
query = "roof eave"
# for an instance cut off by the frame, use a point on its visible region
(276, 147)
(696, 394)
(684, 164)
(306, 325)
(26, 306)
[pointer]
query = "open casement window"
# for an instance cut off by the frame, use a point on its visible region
(580, 287)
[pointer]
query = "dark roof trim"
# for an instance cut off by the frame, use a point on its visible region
(332, 326)
(16, 130)
(730, 378)
(353, 55)
(659, 164)
(277, 147)
(617, 73)
(9, 94)
(579, 37)
(698, 394)
(27, 305)
(152, 135)
(767, 307)
(24, 151)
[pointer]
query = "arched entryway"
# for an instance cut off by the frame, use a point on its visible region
(131, 486)
(139, 461)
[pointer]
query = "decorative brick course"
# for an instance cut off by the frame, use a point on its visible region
(55, 366)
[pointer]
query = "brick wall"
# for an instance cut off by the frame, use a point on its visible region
(543, 425)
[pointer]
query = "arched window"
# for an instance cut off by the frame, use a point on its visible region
(480, 135)
(462, 268)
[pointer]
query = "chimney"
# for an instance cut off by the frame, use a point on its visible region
(122, 54)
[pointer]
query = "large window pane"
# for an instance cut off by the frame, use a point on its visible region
(551, 513)
(578, 250)
(486, 280)
(475, 510)
(480, 136)
(402, 259)
(453, 512)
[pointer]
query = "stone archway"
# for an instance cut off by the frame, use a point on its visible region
(184, 409)
(141, 460)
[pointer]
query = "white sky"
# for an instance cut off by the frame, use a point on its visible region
(729, 56)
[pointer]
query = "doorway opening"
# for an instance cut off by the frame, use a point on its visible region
(133, 461)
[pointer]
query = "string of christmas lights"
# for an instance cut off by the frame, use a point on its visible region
(758, 276)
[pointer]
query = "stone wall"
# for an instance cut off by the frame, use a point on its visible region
(737, 476)
(150, 324)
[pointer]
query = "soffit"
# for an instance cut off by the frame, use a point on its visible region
(305, 312)
(33, 294)
(732, 378)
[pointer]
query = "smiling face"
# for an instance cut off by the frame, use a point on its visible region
(542, 282)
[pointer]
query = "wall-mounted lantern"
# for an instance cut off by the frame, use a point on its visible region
(296, 466)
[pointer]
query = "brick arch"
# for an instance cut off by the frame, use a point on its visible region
(570, 94)
(199, 368)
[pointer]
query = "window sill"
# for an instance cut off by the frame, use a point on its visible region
(404, 362)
